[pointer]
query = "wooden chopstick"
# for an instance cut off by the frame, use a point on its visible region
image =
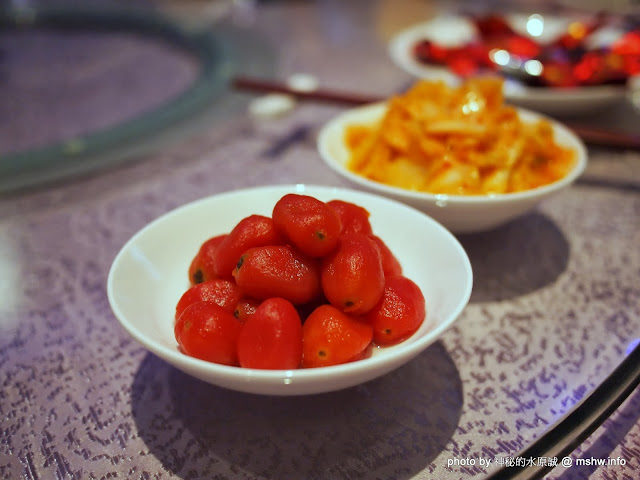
(590, 135)
(319, 95)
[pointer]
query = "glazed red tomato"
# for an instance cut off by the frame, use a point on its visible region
(352, 277)
(272, 337)
(390, 264)
(310, 224)
(354, 218)
(399, 313)
(278, 271)
(245, 308)
(220, 291)
(207, 331)
(332, 337)
(251, 231)
(201, 268)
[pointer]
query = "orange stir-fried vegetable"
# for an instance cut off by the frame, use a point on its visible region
(457, 140)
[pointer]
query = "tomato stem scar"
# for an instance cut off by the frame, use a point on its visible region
(198, 276)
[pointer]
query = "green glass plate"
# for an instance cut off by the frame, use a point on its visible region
(86, 152)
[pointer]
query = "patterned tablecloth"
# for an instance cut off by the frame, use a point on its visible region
(555, 306)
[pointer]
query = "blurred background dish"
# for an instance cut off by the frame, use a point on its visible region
(555, 64)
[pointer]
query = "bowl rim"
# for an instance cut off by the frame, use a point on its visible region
(402, 352)
(335, 126)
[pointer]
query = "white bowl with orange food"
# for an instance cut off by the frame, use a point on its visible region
(459, 154)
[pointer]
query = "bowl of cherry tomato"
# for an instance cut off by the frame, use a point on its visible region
(289, 290)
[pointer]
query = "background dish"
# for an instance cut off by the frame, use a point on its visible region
(149, 275)
(460, 214)
(547, 100)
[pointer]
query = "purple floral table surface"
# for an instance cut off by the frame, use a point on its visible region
(554, 309)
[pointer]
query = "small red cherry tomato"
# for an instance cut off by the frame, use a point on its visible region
(271, 338)
(207, 331)
(390, 264)
(251, 231)
(201, 268)
(245, 308)
(354, 218)
(399, 313)
(352, 276)
(310, 224)
(278, 271)
(332, 337)
(220, 291)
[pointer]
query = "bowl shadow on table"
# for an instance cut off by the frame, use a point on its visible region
(391, 427)
(517, 258)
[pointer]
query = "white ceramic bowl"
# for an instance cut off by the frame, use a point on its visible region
(148, 276)
(552, 101)
(459, 213)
